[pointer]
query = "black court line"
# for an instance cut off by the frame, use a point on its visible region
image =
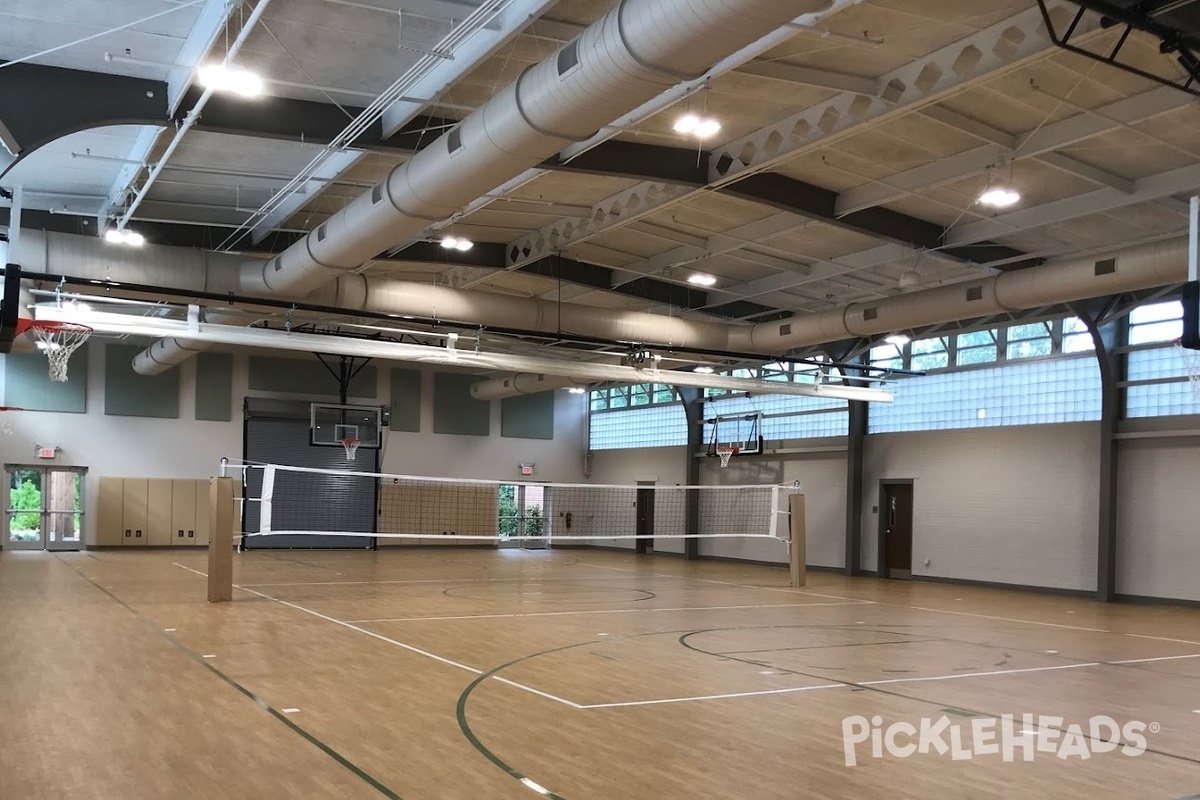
(194, 656)
(875, 688)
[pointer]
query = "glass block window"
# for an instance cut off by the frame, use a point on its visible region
(1029, 393)
(1030, 341)
(785, 416)
(648, 426)
(1156, 322)
(1169, 394)
(978, 347)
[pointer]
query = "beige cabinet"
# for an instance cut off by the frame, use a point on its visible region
(152, 512)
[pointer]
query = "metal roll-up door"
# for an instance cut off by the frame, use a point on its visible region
(278, 433)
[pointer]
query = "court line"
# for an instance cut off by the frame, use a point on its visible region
(1161, 638)
(791, 690)
(990, 673)
(388, 640)
(598, 611)
(864, 602)
(1149, 660)
(788, 590)
(427, 580)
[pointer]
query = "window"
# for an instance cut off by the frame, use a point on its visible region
(646, 426)
(1076, 338)
(785, 416)
(1030, 341)
(978, 347)
(930, 354)
(1158, 322)
(887, 356)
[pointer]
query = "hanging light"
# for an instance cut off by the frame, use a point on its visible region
(706, 128)
(687, 124)
(231, 79)
(898, 339)
(122, 236)
(457, 243)
(577, 390)
(702, 370)
(1000, 197)
(702, 279)
(700, 127)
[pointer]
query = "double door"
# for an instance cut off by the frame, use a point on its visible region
(45, 508)
(523, 519)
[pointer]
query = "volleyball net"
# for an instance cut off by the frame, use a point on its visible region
(335, 505)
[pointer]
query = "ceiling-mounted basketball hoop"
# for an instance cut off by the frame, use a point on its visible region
(58, 340)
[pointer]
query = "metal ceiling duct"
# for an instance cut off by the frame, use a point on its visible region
(632, 54)
(521, 383)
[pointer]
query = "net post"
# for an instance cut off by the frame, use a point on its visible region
(220, 540)
(796, 553)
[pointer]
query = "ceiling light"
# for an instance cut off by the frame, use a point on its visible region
(999, 198)
(702, 279)
(707, 128)
(457, 243)
(577, 390)
(703, 370)
(687, 123)
(909, 279)
(235, 80)
(121, 236)
(898, 339)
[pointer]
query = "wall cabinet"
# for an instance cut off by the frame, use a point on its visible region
(152, 512)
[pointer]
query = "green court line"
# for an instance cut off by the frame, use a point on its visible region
(263, 704)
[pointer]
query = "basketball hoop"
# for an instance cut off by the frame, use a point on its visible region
(8, 419)
(58, 340)
(1191, 367)
(727, 453)
(351, 446)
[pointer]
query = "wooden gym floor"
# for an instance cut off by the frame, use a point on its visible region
(498, 674)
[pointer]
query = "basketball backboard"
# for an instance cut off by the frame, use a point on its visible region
(741, 433)
(332, 424)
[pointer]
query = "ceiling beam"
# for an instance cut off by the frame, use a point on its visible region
(431, 78)
(984, 55)
(1100, 201)
(807, 76)
(1002, 148)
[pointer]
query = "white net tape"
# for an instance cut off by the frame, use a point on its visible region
(59, 343)
(1191, 366)
(282, 501)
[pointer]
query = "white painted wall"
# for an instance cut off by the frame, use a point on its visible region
(661, 465)
(188, 448)
(1011, 505)
(1158, 518)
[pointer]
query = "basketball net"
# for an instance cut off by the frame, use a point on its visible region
(727, 453)
(1191, 367)
(58, 340)
(351, 446)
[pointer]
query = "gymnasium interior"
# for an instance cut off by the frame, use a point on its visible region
(598, 399)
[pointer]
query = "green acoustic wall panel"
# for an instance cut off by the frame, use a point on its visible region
(454, 410)
(214, 387)
(306, 376)
(27, 383)
(406, 400)
(529, 416)
(128, 394)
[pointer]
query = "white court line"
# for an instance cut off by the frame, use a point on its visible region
(1161, 638)
(792, 690)
(958, 675)
(426, 580)
(789, 590)
(390, 641)
(598, 611)
(1149, 660)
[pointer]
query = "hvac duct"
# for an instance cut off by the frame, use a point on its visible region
(522, 383)
(629, 56)
(1075, 279)
(166, 353)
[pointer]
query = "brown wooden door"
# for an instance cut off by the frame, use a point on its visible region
(897, 529)
(645, 520)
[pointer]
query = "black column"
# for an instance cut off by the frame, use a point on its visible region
(1108, 336)
(856, 438)
(693, 410)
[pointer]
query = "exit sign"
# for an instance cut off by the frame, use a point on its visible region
(47, 452)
